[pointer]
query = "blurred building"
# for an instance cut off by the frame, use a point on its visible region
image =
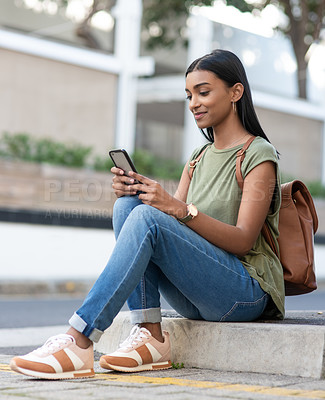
(296, 127)
(54, 84)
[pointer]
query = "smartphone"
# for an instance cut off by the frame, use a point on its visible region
(122, 160)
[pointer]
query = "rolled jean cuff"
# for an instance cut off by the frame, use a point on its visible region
(152, 315)
(81, 326)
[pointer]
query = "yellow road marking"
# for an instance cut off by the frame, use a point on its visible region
(268, 390)
(275, 391)
(4, 367)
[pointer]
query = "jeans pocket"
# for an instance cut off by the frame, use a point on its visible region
(246, 311)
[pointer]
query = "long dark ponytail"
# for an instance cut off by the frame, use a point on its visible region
(228, 67)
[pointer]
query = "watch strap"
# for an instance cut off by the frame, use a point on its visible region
(189, 215)
(187, 218)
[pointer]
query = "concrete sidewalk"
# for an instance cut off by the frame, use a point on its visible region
(174, 384)
(294, 347)
(222, 360)
(257, 361)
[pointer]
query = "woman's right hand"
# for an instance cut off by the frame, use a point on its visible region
(122, 184)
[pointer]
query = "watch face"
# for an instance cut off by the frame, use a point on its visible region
(192, 210)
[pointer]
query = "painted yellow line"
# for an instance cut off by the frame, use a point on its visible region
(4, 367)
(273, 391)
(266, 390)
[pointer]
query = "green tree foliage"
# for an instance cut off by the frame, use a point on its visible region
(165, 20)
(306, 19)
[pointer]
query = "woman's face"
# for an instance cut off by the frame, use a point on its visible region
(209, 98)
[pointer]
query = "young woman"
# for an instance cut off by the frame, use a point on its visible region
(201, 248)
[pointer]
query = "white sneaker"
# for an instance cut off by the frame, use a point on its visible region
(58, 358)
(139, 352)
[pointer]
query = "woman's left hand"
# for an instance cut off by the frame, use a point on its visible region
(154, 195)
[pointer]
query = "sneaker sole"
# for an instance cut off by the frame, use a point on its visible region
(87, 373)
(139, 368)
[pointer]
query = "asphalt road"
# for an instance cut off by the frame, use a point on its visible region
(32, 312)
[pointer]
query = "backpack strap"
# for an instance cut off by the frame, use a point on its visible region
(192, 164)
(240, 158)
(240, 180)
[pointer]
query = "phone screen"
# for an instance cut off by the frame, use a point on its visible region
(122, 160)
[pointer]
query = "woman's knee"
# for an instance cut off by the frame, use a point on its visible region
(123, 206)
(148, 214)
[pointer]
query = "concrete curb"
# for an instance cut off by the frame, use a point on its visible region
(271, 348)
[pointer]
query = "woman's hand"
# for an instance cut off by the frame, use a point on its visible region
(153, 194)
(122, 184)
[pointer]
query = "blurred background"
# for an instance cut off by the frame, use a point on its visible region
(81, 77)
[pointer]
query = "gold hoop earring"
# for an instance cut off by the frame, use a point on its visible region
(234, 106)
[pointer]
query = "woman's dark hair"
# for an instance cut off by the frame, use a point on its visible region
(228, 67)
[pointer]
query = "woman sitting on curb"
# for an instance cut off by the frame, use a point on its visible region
(201, 248)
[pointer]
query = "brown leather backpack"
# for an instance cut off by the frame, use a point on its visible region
(298, 223)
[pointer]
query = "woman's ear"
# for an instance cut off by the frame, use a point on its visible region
(237, 92)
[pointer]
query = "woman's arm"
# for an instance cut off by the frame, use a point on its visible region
(123, 184)
(257, 195)
(256, 199)
(184, 183)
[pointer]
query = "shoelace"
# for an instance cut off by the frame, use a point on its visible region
(54, 344)
(135, 337)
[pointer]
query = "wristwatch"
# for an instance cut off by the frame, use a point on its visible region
(192, 212)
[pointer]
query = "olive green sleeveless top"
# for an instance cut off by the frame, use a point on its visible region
(215, 192)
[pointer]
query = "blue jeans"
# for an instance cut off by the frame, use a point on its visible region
(154, 254)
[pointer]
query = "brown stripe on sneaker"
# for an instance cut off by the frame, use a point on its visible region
(64, 361)
(145, 354)
(33, 366)
(120, 361)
